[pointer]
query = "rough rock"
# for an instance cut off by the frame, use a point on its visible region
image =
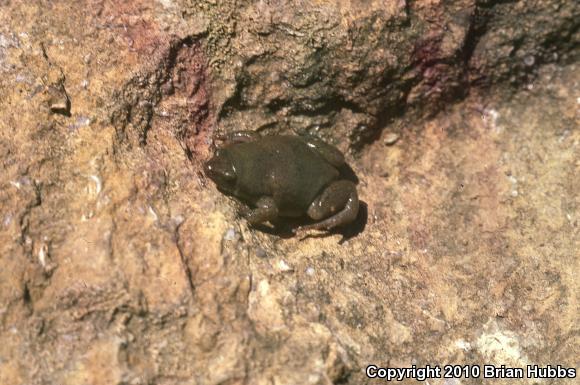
(122, 264)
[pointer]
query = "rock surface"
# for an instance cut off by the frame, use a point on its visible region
(122, 264)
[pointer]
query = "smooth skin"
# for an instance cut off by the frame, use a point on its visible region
(284, 176)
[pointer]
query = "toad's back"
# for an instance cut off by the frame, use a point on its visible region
(282, 167)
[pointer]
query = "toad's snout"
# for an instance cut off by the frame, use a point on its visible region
(220, 169)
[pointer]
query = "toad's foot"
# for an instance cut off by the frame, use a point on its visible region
(266, 210)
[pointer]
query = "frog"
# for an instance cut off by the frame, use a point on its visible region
(284, 176)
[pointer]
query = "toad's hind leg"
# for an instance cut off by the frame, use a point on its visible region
(336, 205)
(266, 210)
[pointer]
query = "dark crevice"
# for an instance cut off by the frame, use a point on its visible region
(26, 296)
(563, 42)
(447, 80)
(477, 27)
(184, 263)
(327, 107)
(234, 102)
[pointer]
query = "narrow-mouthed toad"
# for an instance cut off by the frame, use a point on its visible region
(285, 176)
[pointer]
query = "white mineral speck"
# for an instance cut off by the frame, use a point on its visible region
(490, 116)
(230, 234)
(391, 138)
(42, 255)
(529, 60)
(283, 266)
(98, 184)
(178, 219)
(463, 345)
(153, 214)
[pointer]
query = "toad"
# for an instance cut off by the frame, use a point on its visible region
(284, 176)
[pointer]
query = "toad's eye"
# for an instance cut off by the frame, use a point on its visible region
(221, 170)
